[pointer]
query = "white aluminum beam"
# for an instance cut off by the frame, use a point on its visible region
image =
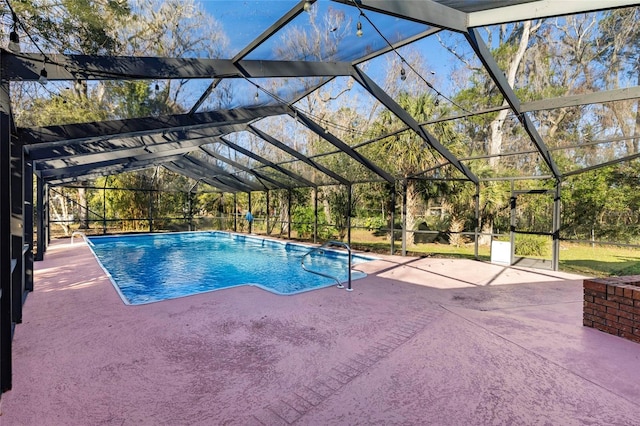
(542, 9)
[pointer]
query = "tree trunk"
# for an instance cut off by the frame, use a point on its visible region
(455, 227)
(413, 210)
(487, 228)
(283, 210)
(62, 217)
(84, 206)
(496, 126)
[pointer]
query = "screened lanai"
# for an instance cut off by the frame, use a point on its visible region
(289, 103)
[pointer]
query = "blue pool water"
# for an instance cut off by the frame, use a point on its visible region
(153, 267)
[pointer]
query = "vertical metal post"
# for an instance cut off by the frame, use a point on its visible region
(235, 212)
(47, 218)
(40, 219)
(477, 219)
(104, 206)
(267, 219)
(557, 205)
(349, 266)
(17, 229)
(392, 225)
(150, 211)
(349, 213)
(404, 217)
(6, 325)
(249, 210)
(27, 189)
(315, 215)
(190, 207)
(289, 214)
(512, 227)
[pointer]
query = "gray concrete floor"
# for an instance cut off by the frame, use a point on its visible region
(419, 341)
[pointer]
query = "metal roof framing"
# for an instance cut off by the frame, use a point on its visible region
(273, 141)
(510, 97)
(27, 66)
(266, 162)
(260, 176)
(335, 141)
(95, 148)
(429, 139)
(211, 171)
(280, 23)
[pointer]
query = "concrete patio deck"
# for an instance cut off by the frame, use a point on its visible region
(419, 341)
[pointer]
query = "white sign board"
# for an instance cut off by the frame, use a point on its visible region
(501, 252)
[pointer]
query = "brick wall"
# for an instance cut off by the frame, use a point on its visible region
(612, 305)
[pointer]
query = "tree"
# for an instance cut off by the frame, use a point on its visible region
(406, 154)
(619, 45)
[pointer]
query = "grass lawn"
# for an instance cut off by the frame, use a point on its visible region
(597, 261)
(600, 260)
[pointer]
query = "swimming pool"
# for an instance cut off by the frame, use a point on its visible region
(152, 267)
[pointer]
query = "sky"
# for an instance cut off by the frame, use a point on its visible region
(243, 21)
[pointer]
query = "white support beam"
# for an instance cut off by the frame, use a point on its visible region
(542, 9)
(614, 95)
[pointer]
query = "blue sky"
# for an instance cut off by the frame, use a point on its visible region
(243, 20)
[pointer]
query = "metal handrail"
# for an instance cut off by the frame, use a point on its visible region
(82, 234)
(326, 245)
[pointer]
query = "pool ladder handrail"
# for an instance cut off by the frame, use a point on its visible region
(327, 245)
(82, 234)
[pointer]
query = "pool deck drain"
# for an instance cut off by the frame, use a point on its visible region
(289, 410)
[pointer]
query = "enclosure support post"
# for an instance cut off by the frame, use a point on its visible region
(250, 226)
(40, 219)
(512, 227)
(190, 206)
(47, 219)
(104, 206)
(150, 211)
(6, 236)
(27, 190)
(477, 219)
(349, 213)
(235, 212)
(404, 217)
(315, 215)
(17, 229)
(289, 214)
(393, 218)
(555, 260)
(268, 232)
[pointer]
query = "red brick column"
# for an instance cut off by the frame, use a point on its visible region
(612, 305)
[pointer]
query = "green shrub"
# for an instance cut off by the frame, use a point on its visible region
(370, 223)
(532, 245)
